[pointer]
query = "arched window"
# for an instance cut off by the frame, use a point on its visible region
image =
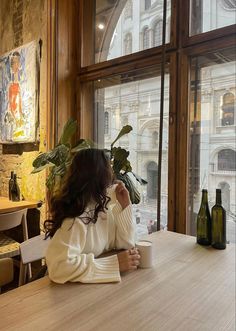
(152, 180)
(128, 44)
(147, 4)
(128, 9)
(227, 160)
(228, 109)
(154, 139)
(157, 34)
(106, 122)
(146, 38)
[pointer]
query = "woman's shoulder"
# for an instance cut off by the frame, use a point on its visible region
(73, 221)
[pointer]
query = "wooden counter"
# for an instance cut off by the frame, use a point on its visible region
(189, 288)
(7, 206)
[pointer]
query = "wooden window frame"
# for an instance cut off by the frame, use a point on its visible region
(179, 52)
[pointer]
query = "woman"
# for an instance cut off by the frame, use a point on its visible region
(90, 217)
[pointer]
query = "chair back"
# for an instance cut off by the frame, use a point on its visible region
(34, 249)
(11, 220)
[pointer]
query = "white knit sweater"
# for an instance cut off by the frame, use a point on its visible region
(71, 255)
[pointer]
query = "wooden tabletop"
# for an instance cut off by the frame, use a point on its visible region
(189, 288)
(7, 206)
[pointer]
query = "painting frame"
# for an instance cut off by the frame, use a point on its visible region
(19, 94)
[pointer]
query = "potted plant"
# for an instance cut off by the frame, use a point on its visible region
(58, 160)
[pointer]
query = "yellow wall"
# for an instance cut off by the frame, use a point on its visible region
(22, 21)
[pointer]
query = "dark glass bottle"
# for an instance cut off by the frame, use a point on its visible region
(218, 215)
(10, 184)
(204, 221)
(15, 190)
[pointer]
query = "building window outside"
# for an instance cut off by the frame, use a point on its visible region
(155, 139)
(228, 109)
(128, 44)
(227, 160)
(147, 4)
(146, 38)
(152, 180)
(106, 122)
(128, 11)
(157, 34)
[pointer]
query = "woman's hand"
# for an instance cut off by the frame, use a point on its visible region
(122, 194)
(128, 260)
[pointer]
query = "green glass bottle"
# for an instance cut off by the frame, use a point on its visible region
(204, 221)
(218, 231)
(10, 184)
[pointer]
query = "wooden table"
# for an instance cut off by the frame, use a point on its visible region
(7, 206)
(189, 288)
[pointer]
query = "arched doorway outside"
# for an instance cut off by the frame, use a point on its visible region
(152, 180)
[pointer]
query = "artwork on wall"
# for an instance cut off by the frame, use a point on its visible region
(19, 84)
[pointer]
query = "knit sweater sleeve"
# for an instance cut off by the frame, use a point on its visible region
(67, 263)
(125, 226)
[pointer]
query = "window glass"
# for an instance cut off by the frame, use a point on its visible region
(208, 15)
(135, 100)
(118, 19)
(147, 4)
(106, 122)
(212, 146)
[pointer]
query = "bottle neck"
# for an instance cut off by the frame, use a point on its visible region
(204, 197)
(218, 198)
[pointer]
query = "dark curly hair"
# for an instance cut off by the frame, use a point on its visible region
(88, 178)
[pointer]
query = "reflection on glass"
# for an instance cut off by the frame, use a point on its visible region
(208, 15)
(213, 134)
(125, 27)
(135, 101)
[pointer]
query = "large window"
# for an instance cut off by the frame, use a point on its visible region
(179, 97)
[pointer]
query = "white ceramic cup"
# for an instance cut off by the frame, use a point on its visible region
(145, 250)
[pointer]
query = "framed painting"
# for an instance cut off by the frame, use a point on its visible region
(19, 86)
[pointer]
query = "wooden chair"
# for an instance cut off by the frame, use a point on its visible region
(31, 250)
(6, 271)
(8, 246)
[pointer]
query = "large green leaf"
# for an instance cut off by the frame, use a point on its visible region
(45, 166)
(82, 144)
(58, 155)
(68, 131)
(139, 179)
(125, 130)
(120, 161)
(133, 192)
(40, 160)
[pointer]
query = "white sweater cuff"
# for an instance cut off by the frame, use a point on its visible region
(105, 270)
